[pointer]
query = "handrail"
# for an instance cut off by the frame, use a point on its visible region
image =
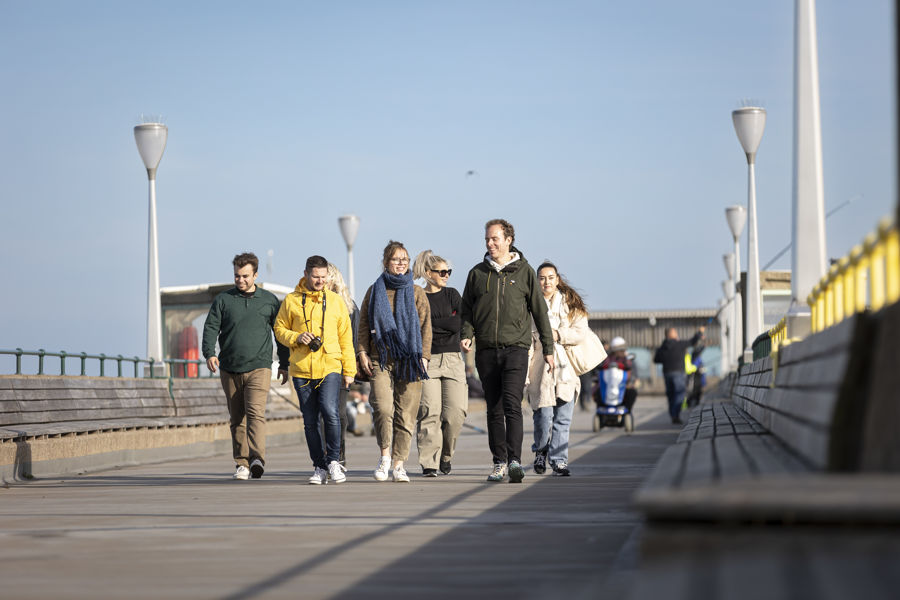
(184, 372)
(867, 278)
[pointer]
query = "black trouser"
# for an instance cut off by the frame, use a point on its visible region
(503, 372)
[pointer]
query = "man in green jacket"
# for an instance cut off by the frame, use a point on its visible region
(241, 319)
(499, 302)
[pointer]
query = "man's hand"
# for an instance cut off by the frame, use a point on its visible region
(551, 364)
(465, 345)
(304, 338)
(365, 363)
(283, 374)
(348, 381)
(212, 363)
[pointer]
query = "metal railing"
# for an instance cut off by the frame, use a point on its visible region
(867, 278)
(176, 367)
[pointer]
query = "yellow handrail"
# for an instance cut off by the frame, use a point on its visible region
(867, 278)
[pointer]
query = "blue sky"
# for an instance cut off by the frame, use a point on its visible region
(602, 130)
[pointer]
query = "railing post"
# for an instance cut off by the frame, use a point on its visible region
(136, 360)
(848, 268)
(83, 360)
(62, 362)
(119, 360)
(102, 361)
(41, 353)
(862, 278)
(19, 361)
(838, 286)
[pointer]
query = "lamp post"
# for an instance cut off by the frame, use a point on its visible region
(736, 217)
(749, 123)
(729, 315)
(725, 333)
(808, 263)
(151, 143)
(349, 227)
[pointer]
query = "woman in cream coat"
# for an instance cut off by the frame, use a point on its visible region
(552, 395)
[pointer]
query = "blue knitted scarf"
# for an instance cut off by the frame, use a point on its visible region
(398, 334)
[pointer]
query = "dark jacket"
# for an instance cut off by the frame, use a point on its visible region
(671, 353)
(497, 308)
(243, 327)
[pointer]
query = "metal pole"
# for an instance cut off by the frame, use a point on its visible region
(754, 301)
(737, 343)
(350, 272)
(154, 311)
(808, 256)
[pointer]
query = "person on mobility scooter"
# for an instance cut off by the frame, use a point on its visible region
(616, 389)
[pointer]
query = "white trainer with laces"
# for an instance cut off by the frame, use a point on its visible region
(241, 472)
(336, 472)
(318, 477)
(400, 475)
(384, 466)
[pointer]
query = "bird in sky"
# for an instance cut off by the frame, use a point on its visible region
(471, 172)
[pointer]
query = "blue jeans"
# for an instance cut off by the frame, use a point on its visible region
(321, 397)
(675, 386)
(551, 431)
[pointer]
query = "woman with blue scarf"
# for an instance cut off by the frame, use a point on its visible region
(395, 346)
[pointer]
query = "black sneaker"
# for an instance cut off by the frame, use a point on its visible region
(540, 463)
(445, 468)
(429, 472)
(256, 469)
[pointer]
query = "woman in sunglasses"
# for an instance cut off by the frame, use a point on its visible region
(445, 397)
(394, 348)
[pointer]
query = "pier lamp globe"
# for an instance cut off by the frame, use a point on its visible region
(151, 142)
(349, 225)
(749, 124)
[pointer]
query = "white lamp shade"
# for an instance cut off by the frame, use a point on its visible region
(736, 217)
(727, 289)
(749, 123)
(728, 259)
(349, 227)
(151, 142)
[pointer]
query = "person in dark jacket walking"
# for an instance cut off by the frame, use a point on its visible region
(241, 321)
(671, 356)
(500, 299)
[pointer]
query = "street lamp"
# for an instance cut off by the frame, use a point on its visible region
(749, 123)
(349, 227)
(736, 217)
(151, 143)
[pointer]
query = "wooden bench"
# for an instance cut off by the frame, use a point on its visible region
(767, 445)
(48, 406)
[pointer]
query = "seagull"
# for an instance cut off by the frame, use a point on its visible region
(471, 172)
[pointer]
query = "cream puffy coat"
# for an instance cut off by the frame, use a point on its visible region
(541, 388)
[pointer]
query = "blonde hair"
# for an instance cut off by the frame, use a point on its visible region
(426, 261)
(336, 284)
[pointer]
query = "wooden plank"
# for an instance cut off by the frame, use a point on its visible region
(667, 472)
(731, 459)
(699, 467)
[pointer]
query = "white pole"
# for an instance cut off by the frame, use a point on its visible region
(808, 256)
(350, 271)
(154, 310)
(737, 343)
(754, 301)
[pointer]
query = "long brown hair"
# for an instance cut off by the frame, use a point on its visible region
(572, 298)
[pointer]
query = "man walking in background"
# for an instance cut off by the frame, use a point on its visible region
(241, 320)
(671, 356)
(500, 299)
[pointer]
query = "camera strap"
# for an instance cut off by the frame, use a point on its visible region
(305, 320)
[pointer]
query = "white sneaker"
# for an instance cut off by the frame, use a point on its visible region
(336, 472)
(400, 475)
(241, 473)
(381, 471)
(318, 477)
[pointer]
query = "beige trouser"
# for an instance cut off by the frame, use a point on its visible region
(246, 394)
(442, 411)
(394, 405)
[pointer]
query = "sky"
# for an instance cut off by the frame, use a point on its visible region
(601, 130)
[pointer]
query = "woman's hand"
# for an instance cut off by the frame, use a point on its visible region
(365, 363)
(425, 365)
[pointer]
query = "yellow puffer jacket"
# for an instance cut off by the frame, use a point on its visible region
(336, 354)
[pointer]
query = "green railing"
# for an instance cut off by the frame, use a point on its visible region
(177, 367)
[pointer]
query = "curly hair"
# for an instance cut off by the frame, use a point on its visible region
(508, 230)
(245, 258)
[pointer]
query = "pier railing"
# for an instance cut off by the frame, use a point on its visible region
(125, 366)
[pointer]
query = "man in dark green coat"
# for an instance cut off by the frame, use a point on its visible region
(241, 319)
(500, 300)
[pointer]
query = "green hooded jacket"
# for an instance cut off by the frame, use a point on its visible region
(497, 307)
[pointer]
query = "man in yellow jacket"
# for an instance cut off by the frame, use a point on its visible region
(314, 323)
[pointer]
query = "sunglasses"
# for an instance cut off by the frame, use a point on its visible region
(442, 272)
